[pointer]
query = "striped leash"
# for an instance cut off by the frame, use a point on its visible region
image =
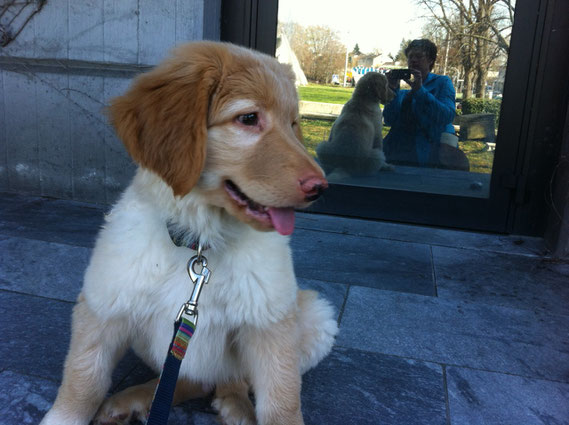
(184, 328)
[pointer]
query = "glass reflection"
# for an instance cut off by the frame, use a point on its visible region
(433, 130)
(420, 118)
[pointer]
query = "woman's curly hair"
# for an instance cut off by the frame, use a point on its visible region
(426, 46)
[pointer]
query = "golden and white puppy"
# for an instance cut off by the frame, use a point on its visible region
(216, 134)
(355, 145)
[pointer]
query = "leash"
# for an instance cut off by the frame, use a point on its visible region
(184, 327)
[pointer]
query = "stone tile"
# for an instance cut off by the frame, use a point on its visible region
(27, 399)
(479, 398)
(79, 222)
(355, 387)
(335, 293)
(523, 245)
(24, 400)
(14, 200)
(42, 268)
(522, 342)
(68, 222)
(49, 321)
(377, 263)
(185, 415)
(501, 279)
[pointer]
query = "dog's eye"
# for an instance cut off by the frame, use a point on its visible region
(250, 119)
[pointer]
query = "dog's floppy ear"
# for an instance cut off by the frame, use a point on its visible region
(162, 119)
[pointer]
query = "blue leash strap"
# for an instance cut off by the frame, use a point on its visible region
(183, 331)
(164, 395)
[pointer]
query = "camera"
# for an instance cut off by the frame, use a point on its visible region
(400, 74)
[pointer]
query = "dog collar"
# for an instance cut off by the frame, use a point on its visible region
(183, 238)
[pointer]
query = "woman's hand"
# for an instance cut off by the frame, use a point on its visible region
(417, 81)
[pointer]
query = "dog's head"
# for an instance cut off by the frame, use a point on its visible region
(375, 85)
(224, 119)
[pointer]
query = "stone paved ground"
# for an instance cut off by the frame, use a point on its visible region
(436, 326)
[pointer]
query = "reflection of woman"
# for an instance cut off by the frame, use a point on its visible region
(418, 116)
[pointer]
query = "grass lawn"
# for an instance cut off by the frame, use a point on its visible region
(316, 131)
(480, 158)
(326, 94)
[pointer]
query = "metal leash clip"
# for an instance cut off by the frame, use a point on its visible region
(190, 307)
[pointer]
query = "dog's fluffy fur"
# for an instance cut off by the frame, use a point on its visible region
(355, 145)
(215, 131)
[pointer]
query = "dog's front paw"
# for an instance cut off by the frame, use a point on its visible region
(125, 407)
(233, 405)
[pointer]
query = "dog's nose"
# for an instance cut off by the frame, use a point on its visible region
(313, 187)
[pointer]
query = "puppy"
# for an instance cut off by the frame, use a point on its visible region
(215, 131)
(355, 145)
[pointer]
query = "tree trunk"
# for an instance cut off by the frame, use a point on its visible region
(483, 34)
(480, 69)
(467, 86)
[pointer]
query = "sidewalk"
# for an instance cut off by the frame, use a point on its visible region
(436, 326)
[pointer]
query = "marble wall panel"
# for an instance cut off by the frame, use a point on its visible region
(21, 132)
(86, 40)
(88, 129)
(54, 142)
(121, 31)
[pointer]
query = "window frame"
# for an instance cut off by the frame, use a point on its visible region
(253, 23)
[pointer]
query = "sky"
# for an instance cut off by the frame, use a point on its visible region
(373, 24)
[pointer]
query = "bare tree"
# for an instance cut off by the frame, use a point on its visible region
(323, 54)
(400, 56)
(478, 30)
(318, 49)
(294, 32)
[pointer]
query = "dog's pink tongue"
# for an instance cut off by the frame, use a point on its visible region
(282, 219)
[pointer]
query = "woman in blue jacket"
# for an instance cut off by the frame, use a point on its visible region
(418, 116)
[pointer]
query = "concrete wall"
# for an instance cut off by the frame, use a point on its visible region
(57, 77)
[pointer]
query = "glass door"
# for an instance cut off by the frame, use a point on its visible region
(412, 107)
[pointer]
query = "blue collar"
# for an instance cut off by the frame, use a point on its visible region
(181, 237)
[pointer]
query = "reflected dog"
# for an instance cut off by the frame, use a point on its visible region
(355, 145)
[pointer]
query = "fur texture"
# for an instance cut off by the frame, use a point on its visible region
(215, 132)
(355, 145)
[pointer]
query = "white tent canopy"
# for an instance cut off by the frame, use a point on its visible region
(284, 54)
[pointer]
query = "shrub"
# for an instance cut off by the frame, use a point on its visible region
(482, 106)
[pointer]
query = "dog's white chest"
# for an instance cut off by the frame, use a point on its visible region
(209, 358)
(145, 279)
(232, 301)
(137, 273)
